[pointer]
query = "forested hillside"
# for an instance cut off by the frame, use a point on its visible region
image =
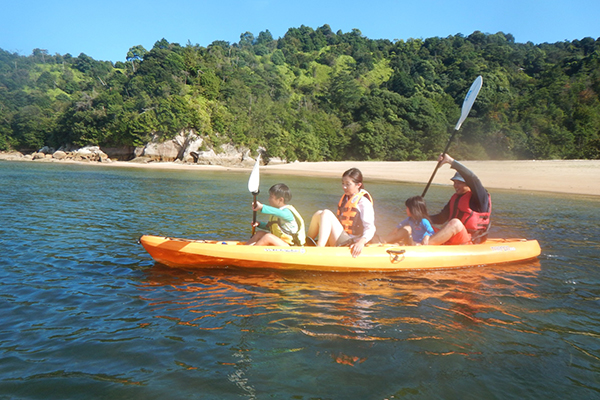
(315, 95)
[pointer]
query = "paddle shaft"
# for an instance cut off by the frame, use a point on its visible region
(465, 109)
(253, 187)
(439, 163)
(254, 214)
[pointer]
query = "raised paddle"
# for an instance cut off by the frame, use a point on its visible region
(253, 187)
(466, 107)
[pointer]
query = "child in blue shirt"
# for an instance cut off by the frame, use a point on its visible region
(285, 226)
(416, 228)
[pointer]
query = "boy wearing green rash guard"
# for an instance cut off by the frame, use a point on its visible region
(285, 226)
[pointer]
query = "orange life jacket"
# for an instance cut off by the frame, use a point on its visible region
(348, 213)
(475, 222)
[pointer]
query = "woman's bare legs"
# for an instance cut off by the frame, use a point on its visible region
(325, 224)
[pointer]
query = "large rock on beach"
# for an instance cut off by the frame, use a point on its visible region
(59, 155)
(46, 150)
(91, 153)
(188, 147)
(178, 148)
(192, 148)
(123, 153)
(227, 155)
(166, 151)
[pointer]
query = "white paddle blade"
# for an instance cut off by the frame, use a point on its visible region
(469, 100)
(254, 181)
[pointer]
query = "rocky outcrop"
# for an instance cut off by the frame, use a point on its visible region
(178, 148)
(88, 153)
(226, 155)
(187, 147)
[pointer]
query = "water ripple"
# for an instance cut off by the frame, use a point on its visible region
(86, 312)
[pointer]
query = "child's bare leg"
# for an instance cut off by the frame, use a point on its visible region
(408, 240)
(401, 236)
(270, 240)
(257, 236)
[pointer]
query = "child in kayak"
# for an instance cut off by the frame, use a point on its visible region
(354, 223)
(416, 228)
(285, 226)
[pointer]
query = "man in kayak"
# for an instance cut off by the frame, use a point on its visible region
(467, 214)
(285, 226)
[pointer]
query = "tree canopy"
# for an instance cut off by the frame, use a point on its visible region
(315, 95)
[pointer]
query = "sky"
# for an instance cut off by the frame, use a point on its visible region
(106, 30)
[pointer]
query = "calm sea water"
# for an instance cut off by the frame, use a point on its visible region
(86, 313)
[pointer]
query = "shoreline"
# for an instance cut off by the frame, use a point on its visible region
(557, 176)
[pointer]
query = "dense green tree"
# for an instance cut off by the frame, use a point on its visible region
(342, 95)
(136, 54)
(278, 58)
(30, 126)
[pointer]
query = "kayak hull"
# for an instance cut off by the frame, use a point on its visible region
(175, 252)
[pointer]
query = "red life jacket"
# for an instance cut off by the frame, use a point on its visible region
(348, 213)
(472, 220)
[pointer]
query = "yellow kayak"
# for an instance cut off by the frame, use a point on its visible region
(175, 252)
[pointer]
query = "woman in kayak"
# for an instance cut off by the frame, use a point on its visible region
(416, 227)
(285, 226)
(354, 223)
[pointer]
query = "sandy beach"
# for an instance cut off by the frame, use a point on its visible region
(559, 176)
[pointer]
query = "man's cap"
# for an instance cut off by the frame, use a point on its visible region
(457, 177)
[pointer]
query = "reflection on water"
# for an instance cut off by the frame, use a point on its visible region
(87, 313)
(345, 306)
(437, 311)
